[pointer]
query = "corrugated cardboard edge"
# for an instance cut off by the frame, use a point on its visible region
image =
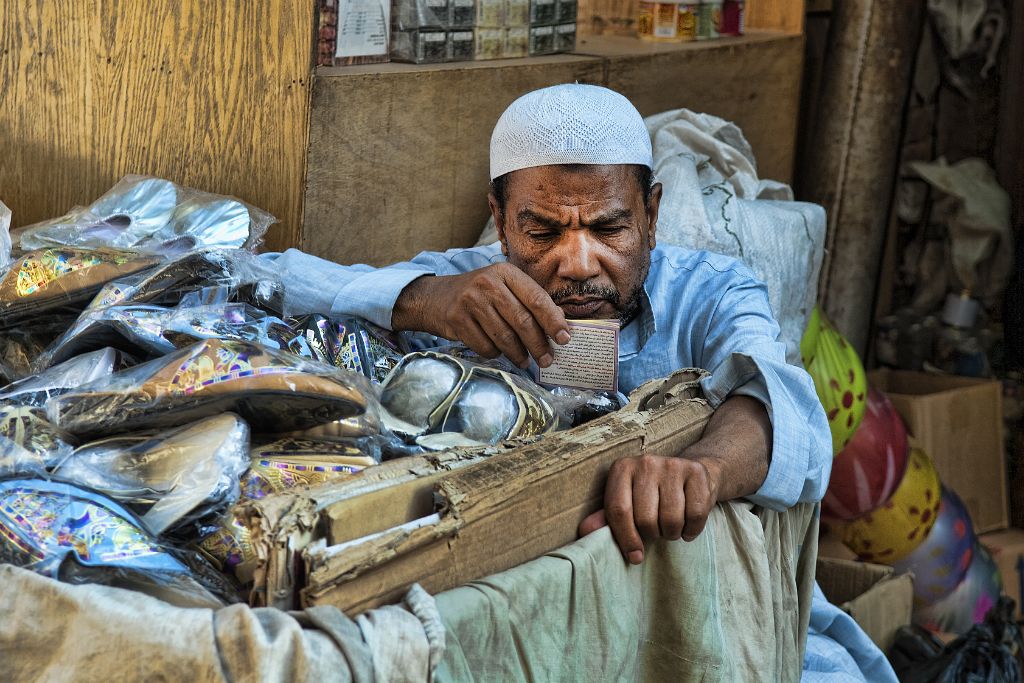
(282, 525)
(487, 508)
(877, 599)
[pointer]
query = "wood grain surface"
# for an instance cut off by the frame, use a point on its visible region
(398, 162)
(210, 93)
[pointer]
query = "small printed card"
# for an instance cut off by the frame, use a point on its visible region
(589, 361)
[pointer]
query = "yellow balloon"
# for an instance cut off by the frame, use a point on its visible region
(838, 375)
(895, 529)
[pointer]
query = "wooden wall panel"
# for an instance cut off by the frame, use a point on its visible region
(210, 93)
(753, 81)
(398, 158)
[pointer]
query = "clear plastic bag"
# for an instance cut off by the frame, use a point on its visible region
(198, 278)
(172, 479)
(28, 443)
(451, 397)
(273, 390)
(152, 215)
(276, 467)
(5, 235)
(72, 534)
(41, 281)
(37, 389)
(350, 343)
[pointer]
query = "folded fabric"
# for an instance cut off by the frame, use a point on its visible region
(68, 533)
(28, 443)
(170, 478)
(273, 390)
(61, 277)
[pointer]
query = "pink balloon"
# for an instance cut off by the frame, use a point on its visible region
(869, 468)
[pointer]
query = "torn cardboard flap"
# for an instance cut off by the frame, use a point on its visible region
(878, 600)
(504, 510)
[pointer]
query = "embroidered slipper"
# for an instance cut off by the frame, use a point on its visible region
(47, 279)
(75, 535)
(171, 478)
(30, 444)
(277, 467)
(274, 391)
(36, 390)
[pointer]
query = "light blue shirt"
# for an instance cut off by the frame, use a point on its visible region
(699, 310)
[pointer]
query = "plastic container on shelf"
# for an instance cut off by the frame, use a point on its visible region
(517, 42)
(732, 18)
(709, 20)
(420, 46)
(460, 45)
(490, 13)
(412, 14)
(565, 37)
(542, 40)
(543, 12)
(463, 13)
(517, 13)
(668, 21)
(565, 12)
(490, 43)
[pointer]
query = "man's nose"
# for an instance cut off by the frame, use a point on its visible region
(578, 257)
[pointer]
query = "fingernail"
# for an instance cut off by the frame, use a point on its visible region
(635, 557)
(545, 360)
(562, 338)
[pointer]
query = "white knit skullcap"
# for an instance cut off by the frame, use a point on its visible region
(569, 124)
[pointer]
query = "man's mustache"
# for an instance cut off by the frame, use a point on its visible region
(584, 290)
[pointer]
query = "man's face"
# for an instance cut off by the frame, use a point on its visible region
(582, 233)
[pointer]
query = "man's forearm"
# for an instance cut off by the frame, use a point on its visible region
(736, 447)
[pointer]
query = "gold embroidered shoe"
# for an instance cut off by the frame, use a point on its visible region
(274, 391)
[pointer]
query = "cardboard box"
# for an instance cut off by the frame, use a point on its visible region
(878, 600)
(1007, 548)
(356, 545)
(958, 422)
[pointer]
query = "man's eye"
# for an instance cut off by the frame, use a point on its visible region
(542, 234)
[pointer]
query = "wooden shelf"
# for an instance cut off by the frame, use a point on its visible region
(586, 47)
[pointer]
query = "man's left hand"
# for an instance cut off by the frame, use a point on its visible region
(652, 496)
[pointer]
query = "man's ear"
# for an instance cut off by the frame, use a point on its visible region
(499, 221)
(652, 215)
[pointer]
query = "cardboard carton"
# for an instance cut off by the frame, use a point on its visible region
(878, 600)
(958, 422)
(356, 545)
(1007, 548)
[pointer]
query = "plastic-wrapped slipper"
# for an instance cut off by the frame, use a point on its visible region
(61, 277)
(28, 443)
(72, 534)
(274, 391)
(125, 216)
(277, 467)
(170, 478)
(36, 390)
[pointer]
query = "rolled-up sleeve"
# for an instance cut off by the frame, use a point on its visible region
(744, 357)
(315, 285)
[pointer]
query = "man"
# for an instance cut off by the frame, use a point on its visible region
(576, 213)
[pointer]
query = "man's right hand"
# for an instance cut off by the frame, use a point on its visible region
(494, 310)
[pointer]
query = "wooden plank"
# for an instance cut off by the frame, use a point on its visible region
(212, 94)
(547, 487)
(398, 161)
(775, 15)
(753, 81)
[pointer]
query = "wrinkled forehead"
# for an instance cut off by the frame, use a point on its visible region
(574, 184)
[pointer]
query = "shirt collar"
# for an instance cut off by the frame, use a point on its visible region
(634, 336)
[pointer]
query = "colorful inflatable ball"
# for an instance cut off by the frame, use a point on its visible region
(867, 470)
(970, 602)
(941, 562)
(838, 376)
(903, 522)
